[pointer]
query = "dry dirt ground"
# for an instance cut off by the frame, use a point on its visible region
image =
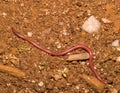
(56, 25)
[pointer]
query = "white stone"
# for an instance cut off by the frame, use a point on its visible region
(115, 43)
(29, 34)
(40, 84)
(22, 4)
(4, 14)
(77, 87)
(118, 48)
(64, 32)
(91, 25)
(118, 59)
(105, 20)
(58, 45)
(33, 81)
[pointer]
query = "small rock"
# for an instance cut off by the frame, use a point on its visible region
(22, 4)
(33, 81)
(82, 56)
(118, 48)
(77, 87)
(89, 12)
(29, 34)
(40, 84)
(91, 25)
(64, 32)
(106, 20)
(115, 43)
(58, 44)
(118, 59)
(4, 14)
(8, 84)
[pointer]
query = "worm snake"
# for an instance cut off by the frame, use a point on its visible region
(80, 46)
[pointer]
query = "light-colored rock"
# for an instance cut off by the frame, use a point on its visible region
(82, 56)
(106, 20)
(91, 25)
(115, 43)
(29, 34)
(58, 44)
(118, 48)
(40, 84)
(4, 14)
(118, 59)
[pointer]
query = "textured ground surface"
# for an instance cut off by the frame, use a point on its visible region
(56, 24)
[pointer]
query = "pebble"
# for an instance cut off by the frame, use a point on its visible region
(40, 84)
(77, 87)
(115, 43)
(4, 14)
(33, 81)
(29, 34)
(106, 20)
(91, 25)
(22, 4)
(118, 48)
(118, 59)
(8, 84)
(58, 45)
(64, 32)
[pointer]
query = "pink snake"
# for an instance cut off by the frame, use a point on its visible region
(80, 46)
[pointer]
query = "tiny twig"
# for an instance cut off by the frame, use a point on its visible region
(82, 56)
(12, 70)
(95, 83)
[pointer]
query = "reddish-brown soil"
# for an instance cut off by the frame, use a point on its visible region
(56, 25)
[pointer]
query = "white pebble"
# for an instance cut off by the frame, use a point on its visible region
(40, 84)
(33, 81)
(118, 59)
(105, 20)
(29, 34)
(115, 43)
(58, 45)
(4, 14)
(91, 25)
(118, 48)
(8, 84)
(22, 4)
(77, 87)
(64, 32)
